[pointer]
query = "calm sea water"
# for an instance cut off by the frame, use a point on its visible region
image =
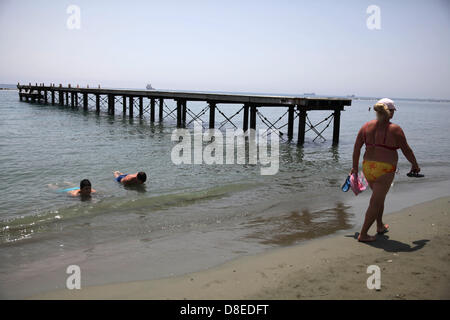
(187, 216)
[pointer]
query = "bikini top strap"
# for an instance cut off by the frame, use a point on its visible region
(386, 132)
(375, 134)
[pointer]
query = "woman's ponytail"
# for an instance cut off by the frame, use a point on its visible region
(382, 111)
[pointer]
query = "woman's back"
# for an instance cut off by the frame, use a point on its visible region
(381, 139)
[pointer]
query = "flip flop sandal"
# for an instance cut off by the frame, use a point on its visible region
(415, 175)
(386, 229)
(372, 239)
(346, 186)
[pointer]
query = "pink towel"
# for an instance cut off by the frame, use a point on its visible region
(357, 183)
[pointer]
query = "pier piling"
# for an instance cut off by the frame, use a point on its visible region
(152, 110)
(212, 114)
(179, 106)
(301, 126)
(141, 107)
(161, 110)
(97, 103)
(245, 124)
(183, 113)
(111, 105)
(85, 101)
(336, 126)
(131, 106)
(253, 117)
(290, 132)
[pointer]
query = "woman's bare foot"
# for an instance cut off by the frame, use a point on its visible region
(383, 229)
(366, 238)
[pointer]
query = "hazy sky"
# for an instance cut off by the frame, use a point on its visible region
(250, 46)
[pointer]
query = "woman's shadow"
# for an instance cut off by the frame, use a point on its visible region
(383, 242)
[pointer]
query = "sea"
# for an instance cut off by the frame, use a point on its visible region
(187, 217)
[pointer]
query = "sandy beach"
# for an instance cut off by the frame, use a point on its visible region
(413, 258)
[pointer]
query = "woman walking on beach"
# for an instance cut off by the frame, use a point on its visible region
(382, 139)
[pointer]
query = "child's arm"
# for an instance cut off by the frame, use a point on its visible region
(74, 193)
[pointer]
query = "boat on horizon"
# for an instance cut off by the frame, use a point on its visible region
(149, 87)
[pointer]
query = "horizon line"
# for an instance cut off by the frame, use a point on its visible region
(352, 96)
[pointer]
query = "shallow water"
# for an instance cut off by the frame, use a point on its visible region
(214, 212)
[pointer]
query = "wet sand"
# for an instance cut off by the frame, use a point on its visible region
(414, 259)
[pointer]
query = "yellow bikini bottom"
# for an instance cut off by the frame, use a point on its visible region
(375, 169)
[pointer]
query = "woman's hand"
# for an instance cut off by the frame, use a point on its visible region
(415, 168)
(354, 171)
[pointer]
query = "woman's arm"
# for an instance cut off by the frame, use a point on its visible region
(406, 149)
(357, 151)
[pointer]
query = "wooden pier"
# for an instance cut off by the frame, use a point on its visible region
(133, 100)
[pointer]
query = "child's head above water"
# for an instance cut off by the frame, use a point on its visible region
(85, 187)
(141, 176)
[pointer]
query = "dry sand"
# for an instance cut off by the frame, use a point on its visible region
(414, 258)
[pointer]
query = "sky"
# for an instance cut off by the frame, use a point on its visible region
(282, 46)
